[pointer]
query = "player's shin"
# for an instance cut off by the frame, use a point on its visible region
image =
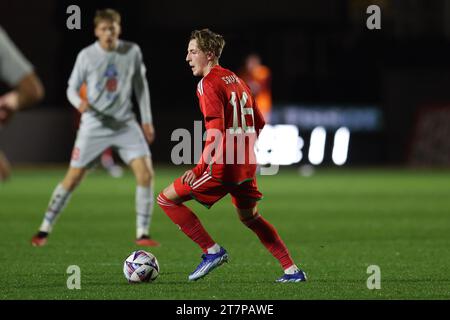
(58, 202)
(269, 237)
(187, 221)
(144, 210)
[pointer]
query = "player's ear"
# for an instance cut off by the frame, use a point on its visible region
(96, 31)
(210, 56)
(119, 30)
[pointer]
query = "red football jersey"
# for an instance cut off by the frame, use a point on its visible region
(228, 106)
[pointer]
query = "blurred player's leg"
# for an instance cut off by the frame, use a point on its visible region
(269, 237)
(5, 168)
(110, 165)
(143, 171)
(58, 202)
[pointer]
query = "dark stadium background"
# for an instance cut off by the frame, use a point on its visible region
(320, 53)
(387, 207)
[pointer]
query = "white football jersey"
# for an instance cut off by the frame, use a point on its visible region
(111, 77)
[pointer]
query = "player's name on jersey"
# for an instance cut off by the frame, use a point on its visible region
(230, 79)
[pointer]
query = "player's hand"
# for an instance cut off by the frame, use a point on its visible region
(188, 177)
(149, 132)
(9, 103)
(5, 116)
(84, 105)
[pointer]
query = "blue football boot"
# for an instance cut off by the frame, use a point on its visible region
(209, 263)
(298, 276)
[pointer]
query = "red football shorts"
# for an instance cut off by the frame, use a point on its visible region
(208, 191)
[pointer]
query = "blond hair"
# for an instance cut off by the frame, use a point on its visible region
(209, 41)
(108, 15)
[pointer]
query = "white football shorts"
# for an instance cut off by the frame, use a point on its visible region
(92, 140)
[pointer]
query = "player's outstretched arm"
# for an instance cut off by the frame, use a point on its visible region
(213, 145)
(28, 91)
(149, 132)
(142, 93)
(77, 78)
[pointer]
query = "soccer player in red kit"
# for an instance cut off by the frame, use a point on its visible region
(226, 167)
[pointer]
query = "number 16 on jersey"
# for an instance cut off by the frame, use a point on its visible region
(244, 128)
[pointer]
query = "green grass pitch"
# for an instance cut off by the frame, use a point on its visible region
(335, 223)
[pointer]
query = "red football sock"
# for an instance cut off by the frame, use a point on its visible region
(187, 221)
(270, 239)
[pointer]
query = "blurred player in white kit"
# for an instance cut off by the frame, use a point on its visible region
(111, 69)
(18, 73)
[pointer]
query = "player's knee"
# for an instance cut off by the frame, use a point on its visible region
(146, 173)
(145, 179)
(166, 193)
(245, 208)
(246, 215)
(164, 202)
(170, 194)
(161, 199)
(150, 174)
(143, 171)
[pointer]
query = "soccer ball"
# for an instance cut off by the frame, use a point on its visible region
(141, 266)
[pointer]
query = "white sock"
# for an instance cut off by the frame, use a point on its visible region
(214, 249)
(291, 270)
(144, 210)
(58, 202)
